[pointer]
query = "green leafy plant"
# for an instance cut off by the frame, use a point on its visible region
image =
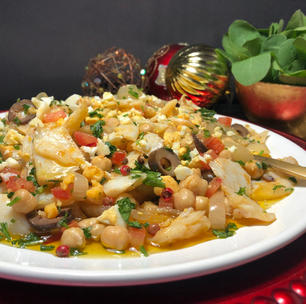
(269, 55)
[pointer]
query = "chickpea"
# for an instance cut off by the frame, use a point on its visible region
(202, 203)
(184, 199)
(102, 162)
(88, 222)
(96, 231)
(115, 237)
(146, 128)
(226, 154)
(27, 202)
(74, 238)
(254, 168)
(196, 171)
(195, 184)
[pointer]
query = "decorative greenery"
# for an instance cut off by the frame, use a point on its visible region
(269, 55)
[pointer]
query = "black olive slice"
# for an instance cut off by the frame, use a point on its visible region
(44, 224)
(240, 129)
(199, 145)
(155, 161)
(208, 175)
(17, 110)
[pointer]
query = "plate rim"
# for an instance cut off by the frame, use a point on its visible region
(161, 274)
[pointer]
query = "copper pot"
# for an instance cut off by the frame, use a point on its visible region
(278, 106)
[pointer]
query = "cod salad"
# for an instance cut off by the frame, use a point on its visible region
(129, 172)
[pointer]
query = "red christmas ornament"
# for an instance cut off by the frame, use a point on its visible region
(195, 71)
(156, 70)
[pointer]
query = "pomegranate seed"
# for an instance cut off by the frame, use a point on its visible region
(62, 251)
(108, 201)
(167, 194)
(125, 170)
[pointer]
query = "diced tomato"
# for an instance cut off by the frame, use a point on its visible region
(214, 143)
(84, 139)
(118, 157)
(53, 238)
(73, 223)
(213, 156)
(54, 116)
(213, 186)
(225, 121)
(15, 183)
(62, 194)
(165, 204)
(137, 236)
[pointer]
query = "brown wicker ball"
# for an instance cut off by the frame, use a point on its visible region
(109, 71)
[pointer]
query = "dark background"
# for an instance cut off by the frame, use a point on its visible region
(45, 45)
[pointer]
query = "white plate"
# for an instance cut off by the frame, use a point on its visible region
(248, 244)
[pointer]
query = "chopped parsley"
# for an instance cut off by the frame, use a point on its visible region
(63, 222)
(143, 251)
(76, 252)
(229, 231)
(293, 179)
(4, 121)
(10, 195)
(116, 170)
(31, 178)
(4, 230)
(87, 232)
(103, 180)
(13, 221)
(16, 147)
(264, 166)
(153, 178)
(46, 248)
(95, 113)
(125, 207)
(141, 135)
(1, 138)
(26, 108)
(17, 121)
(112, 149)
(132, 93)
(186, 156)
(242, 191)
(97, 128)
(206, 133)
(261, 152)
(278, 186)
(240, 162)
(30, 240)
(288, 189)
(207, 114)
(259, 165)
(14, 201)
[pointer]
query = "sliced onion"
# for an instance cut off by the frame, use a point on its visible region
(93, 210)
(80, 187)
(217, 210)
(258, 147)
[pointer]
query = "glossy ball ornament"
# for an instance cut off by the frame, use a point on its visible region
(109, 71)
(156, 69)
(199, 73)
